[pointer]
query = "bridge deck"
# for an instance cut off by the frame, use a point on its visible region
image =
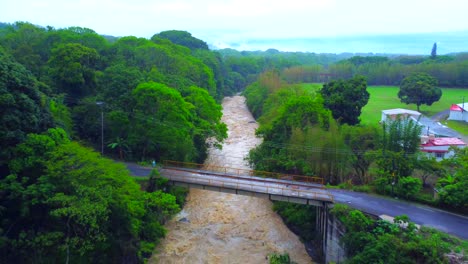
(275, 189)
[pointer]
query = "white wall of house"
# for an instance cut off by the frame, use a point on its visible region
(458, 115)
(439, 152)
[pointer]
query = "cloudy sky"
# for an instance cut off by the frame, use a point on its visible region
(227, 23)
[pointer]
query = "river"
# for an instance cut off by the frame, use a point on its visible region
(217, 227)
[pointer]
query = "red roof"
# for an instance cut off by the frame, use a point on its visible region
(455, 107)
(444, 142)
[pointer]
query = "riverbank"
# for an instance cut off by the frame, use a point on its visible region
(225, 228)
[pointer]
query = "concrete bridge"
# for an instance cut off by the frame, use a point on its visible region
(283, 187)
(305, 190)
(277, 187)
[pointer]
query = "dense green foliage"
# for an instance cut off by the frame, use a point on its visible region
(76, 68)
(419, 88)
(399, 143)
(300, 135)
(62, 202)
(300, 218)
(454, 186)
(23, 107)
(378, 241)
(295, 127)
(182, 38)
(346, 98)
(450, 71)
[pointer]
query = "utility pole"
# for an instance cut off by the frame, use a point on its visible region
(101, 104)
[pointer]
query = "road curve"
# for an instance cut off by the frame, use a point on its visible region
(447, 222)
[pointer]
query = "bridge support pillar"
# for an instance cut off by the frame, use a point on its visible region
(330, 230)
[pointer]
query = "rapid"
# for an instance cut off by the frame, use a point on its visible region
(216, 227)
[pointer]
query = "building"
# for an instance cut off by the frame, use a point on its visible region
(436, 138)
(428, 126)
(440, 147)
(398, 112)
(459, 112)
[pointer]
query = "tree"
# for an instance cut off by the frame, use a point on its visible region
(361, 140)
(64, 203)
(161, 123)
(434, 51)
(419, 88)
(408, 187)
(73, 70)
(454, 187)
(428, 166)
(23, 107)
(182, 38)
(399, 145)
(346, 98)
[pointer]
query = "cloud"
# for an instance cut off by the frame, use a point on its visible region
(236, 21)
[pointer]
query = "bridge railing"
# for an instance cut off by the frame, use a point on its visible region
(244, 172)
(315, 194)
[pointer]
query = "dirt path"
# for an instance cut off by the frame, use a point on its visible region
(224, 228)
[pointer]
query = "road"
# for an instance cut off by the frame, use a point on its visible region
(420, 214)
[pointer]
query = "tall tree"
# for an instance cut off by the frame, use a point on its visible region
(64, 203)
(361, 140)
(73, 69)
(23, 107)
(346, 98)
(400, 142)
(419, 88)
(434, 51)
(161, 123)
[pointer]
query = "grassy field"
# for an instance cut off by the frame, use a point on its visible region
(385, 97)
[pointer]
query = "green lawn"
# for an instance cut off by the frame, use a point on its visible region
(385, 97)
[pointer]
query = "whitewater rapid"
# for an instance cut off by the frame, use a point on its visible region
(216, 227)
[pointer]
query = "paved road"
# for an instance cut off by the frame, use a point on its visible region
(420, 214)
(423, 215)
(441, 115)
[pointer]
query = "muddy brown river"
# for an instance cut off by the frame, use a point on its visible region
(217, 227)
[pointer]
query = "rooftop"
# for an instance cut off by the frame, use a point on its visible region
(400, 111)
(459, 107)
(434, 127)
(444, 142)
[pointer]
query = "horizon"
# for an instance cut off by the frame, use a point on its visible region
(262, 24)
(420, 45)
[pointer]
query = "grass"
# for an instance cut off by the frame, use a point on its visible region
(459, 126)
(386, 97)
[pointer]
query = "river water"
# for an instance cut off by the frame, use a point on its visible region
(217, 227)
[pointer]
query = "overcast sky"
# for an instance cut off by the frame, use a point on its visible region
(221, 22)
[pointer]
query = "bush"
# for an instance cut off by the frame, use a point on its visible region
(408, 187)
(362, 188)
(276, 258)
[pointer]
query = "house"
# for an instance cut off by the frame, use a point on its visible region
(436, 138)
(459, 112)
(398, 112)
(440, 147)
(428, 126)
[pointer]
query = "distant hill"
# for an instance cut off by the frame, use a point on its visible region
(415, 44)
